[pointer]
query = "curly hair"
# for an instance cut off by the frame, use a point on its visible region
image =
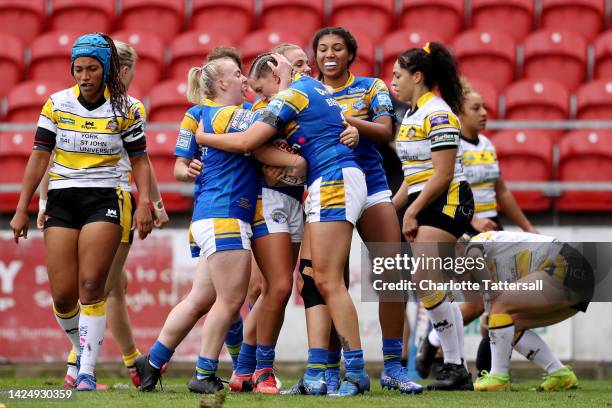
(349, 41)
(118, 93)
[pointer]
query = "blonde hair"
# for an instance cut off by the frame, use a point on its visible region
(201, 82)
(466, 87)
(283, 48)
(126, 53)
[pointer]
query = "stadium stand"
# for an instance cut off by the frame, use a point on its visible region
(603, 55)
(190, 49)
(163, 17)
(513, 17)
(489, 55)
(420, 15)
(585, 156)
(213, 15)
(15, 149)
(283, 15)
(263, 40)
(525, 155)
(544, 99)
(11, 62)
(594, 100)
(372, 16)
(82, 15)
(584, 17)
(558, 54)
(50, 56)
(365, 63)
(150, 49)
(26, 100)
(489, 95)
(167, 102)
(24, 19)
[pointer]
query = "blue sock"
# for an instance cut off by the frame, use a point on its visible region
(265, 357)
(353, 362)
(246, 359)
(333, 361)
(317, 361)
(159, 355)
(233, 342)
(206, 367)
(392, 353)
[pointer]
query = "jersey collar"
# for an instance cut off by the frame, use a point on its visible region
(210, 102)
(349, 82)
(424, 99)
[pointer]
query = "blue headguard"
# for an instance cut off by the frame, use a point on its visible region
(95, 46)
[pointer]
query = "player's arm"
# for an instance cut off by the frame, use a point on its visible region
(379, 130)
(237, 142)
(270, 155)
(42, 201)
(161, 216)
(187, 169)
(400, 199)
(510, 207)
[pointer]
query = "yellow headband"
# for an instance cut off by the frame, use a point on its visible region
(426, 48)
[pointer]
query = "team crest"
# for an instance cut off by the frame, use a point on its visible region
(112, 125)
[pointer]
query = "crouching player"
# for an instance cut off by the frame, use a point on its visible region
(555, 282)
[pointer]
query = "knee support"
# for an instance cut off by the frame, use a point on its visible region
(310, 293)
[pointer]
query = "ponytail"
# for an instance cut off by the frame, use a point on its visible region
(439, 69)
(116, 87)
(201, 82)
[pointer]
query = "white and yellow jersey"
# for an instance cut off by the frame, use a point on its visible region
(88, 143)
(510, 256)
(124, 166)
(481, 169)
(431, 127)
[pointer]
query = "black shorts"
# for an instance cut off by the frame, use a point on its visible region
(74, 207)
(578, 276)
(451, 212)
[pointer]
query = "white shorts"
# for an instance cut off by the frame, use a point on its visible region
(221, 234)
(339, 195)
(278, 212)
(377, 198)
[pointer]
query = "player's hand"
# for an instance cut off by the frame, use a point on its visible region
(410, 226)
(350, 136)
(299, 168)
(194, 169)
(483, 224)
(532, 230)
(143, 221)
(161, 218)
(40, 220)
(20, 224)
(283, 68)
(273, 175)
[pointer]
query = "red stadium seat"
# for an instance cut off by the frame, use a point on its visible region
(26, 100)
(372, 16)
(262, 41)
(162, 17)
(559, 55)
(603, 55)
(24, 19)
(84, 16)
(283, 15)
(150, 50)
(233, 18)
(513, 17)
(364, 64)
(533, 99)
(488, 55)
(51, 56)
(11, 62)
(525, 156)
(489, 95)
(167, 101)
(15, 149)
(190, 50)
(585, 156)
(584, 17)
(443, 16)
(136, 92)
(595, 100)
(399, 41)
(160, 147)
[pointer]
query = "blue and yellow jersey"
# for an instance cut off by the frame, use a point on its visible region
(229, 182)
(88, 141)
(311, 120)
(186, 145)
(367, 99)
(296, 192)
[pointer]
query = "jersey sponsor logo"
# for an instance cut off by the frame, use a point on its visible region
(111, 213)
(356, 89)
(242, 120)
(331, 102)
(438, 120)
(359, 104)
(89, 125)
(184, 139)
(444, 138)
(279, 218)
(321, 91)
(66, 120)
(275, 106)
(113, 125)
(385, 99)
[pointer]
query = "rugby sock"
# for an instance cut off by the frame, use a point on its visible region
(501, 333)
(264, 356)
(206, 367)
(483, 356)
(317, 362)
(392, 354)
(247, 359)
(130, 359)
(73, 370)
(442, 318)
(69, 322)
(530, 345)
(92, 323)
(353, 362)
(433, 338)
(233, 341)
(333, 362)
(159, 355)
(459, 329)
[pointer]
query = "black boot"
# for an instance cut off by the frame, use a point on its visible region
(149, 375)
(424, 357)
(452, 377)
(207, 385)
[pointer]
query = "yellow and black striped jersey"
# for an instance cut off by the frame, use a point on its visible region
(88, 141)
(125, 167)
(431, 127)
(481, 169)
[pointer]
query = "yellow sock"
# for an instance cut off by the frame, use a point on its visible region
(130, 359)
